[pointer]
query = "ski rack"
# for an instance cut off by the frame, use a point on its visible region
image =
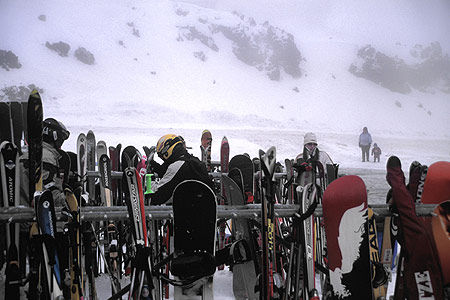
(118, 174)
(20, 214)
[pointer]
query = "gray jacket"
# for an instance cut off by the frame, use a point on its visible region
(365, 139)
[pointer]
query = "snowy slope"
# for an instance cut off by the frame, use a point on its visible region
(155, 75)
(146, 80)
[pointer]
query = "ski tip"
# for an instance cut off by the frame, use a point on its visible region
(393, 162)
(35, 93)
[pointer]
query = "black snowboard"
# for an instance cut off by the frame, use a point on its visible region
(194, 209)
(245, 164)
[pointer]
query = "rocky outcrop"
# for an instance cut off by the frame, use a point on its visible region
(18, 93)
(84, 56)
(61, 48)
(263, 46)
(8, 60)
(430, 71)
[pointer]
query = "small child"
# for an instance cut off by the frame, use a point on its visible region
(376, 152)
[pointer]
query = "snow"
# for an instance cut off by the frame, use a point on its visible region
(152, 84)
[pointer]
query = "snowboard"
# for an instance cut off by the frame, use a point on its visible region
(244, 274)
(440, 223)
(346, 227)
(437, 183)
(194, 212)
(437, 191)
(245, 165)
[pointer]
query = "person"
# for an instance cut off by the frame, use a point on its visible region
(54, 134)
(311, 153)
(376, 152)
(178, 165)
(365, 140)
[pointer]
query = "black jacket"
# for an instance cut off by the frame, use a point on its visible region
(179, 167)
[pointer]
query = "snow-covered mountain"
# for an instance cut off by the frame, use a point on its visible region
(231, 64)
(261, 72)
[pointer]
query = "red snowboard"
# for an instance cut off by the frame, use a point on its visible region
(346, 227)
(437, 191)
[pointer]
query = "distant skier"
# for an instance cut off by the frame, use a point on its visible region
(365, 140)
(178, 166)
(311, 153)
(376, 152)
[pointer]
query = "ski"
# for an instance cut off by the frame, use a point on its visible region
(111, 234)
(50, 271)
(75, 251)
(81, 159)
(205, 148)
(86, 162)
(379, 275)
(90, 165)
(440, 223)
(101, 149)
(34, 133)
(141, 272)
(267, 282)
(289, 180)
(9, 174)
(308, 196)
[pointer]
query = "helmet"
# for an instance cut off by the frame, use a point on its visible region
(166, 144)
(310, 138)
(54, 132)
